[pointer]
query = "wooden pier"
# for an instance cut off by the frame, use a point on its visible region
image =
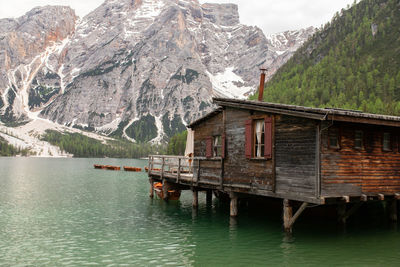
(175, 172)
(303, 156)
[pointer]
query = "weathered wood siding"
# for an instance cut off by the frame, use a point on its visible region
(258, 173)
(296, 155)
(210, 170)
(212, 126)
(237, 169)
(351, 171)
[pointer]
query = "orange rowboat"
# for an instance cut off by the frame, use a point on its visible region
(172, 194)
(132, 169)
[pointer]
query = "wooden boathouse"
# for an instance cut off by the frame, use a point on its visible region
(301, 155)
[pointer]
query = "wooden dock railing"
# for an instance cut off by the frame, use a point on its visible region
(196, 171)
(183, 169)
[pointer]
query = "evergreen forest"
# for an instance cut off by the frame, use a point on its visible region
(177, 144)
(82, 146)
(7, 150)
(352, 62)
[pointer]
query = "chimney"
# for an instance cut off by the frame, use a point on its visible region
(261, 89)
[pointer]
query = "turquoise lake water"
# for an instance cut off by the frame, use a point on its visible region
(62, 212)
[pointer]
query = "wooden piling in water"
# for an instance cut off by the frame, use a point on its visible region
(195, 202)
(165, 188)
(151, 188)
(233, 204)
(287, 215)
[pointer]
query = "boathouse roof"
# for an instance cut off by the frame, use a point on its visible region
(329, 114)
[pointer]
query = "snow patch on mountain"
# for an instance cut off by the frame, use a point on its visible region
(109, 127)
(228, 83)
(160, 130)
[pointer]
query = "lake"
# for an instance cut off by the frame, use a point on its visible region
(63, 212)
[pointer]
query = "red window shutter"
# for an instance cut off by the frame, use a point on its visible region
(248, 138)
(268, 138)
(223, 146)
(209, 145)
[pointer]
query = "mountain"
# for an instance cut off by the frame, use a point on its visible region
(136, 69)
(353, 62)
(26, 45)
(284, 45)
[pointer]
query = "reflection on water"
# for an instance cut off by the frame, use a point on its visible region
(63, 212)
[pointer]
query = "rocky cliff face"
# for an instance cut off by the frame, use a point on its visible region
(26, 46)
(141, 69)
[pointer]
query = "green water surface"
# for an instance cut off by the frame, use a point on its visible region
(62, 212)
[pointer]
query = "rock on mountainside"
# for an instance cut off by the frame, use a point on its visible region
(26, 44)
(140, 69)
(284, 45)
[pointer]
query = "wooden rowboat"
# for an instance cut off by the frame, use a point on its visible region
(172, 194)
(112, 168)
(98, 166)
(107, 167)
(132, 169)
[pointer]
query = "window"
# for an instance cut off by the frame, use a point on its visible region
(386, 146)
(358, 139)
(217, 146)
(259, 139)
(333, 139)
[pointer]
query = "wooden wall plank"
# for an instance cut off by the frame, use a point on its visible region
(295, 150)
(367, 170)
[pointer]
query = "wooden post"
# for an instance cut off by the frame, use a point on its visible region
(318, 162)
(221, 178)
(393, 210)
(234, 204)
(151, 188)
(198, 173)
(287, 215)
(162, 168)
(149, 165)
(208, 197)
(195, 202)
(165, 188)
(179, 171)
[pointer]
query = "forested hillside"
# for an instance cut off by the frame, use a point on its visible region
(82, 146)
(353, 62)
(177, 144)
(7, 150)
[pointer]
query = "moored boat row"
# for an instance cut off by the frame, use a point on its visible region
(107, 167)
(116, 168)
(132, 169)
(126, 168)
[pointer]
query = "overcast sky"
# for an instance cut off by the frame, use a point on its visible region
(271, 15)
